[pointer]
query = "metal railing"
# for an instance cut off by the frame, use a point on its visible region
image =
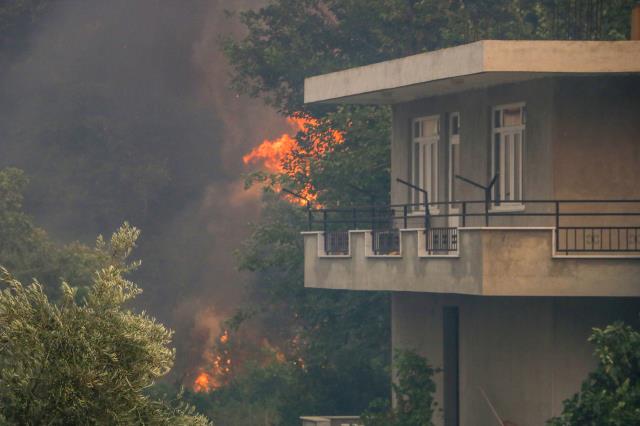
(336, 243)
(385, 241)
(442, 240)
(581, 226)
(614, 239)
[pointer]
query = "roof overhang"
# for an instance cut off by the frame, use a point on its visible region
(470, 66)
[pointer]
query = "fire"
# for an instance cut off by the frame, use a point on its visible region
(271, 153)
(203, 383)
(277, 155)
(219, 370)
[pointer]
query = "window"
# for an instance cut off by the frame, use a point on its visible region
(424, 161)
(454, 157)
(507, 148)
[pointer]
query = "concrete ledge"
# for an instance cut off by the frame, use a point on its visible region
(469, 66)
(493, 262)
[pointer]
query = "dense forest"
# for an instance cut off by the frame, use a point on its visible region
(142, 112)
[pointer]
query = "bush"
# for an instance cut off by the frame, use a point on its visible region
(84, 360)
(610, 396)
(415, 404)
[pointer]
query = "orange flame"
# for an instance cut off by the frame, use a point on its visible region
(220, 369)
(203, 383)
(271, 153)
(225, 337)
(276, 155)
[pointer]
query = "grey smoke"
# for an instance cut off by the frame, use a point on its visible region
(141, 79)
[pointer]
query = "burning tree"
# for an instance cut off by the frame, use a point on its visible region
(343, 338)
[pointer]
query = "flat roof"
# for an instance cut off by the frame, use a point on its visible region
(470, 66)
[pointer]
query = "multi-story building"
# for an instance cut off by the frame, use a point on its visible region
(514, 222)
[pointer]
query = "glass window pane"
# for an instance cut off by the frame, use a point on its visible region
(517, 161)
(455, 125)
(496, 166)
(434, 173)
(416, 170)
(430, 127)
(497, 122)
(511, 116)
(425, 175)
(507, 167)
(416, 129)
(455, 166)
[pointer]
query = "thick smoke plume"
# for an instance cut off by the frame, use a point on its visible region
(120, 110)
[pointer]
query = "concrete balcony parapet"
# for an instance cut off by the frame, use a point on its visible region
(489, 261)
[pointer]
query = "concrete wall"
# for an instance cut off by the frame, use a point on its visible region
(596, 140)
(475, 115)
(527, 354)
(582, 141)
(506, 262)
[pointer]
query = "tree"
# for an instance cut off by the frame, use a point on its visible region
(84, 361)
(343, 336)
(289, 40)
(26, 249)
(334, 344)
(17, 19)
(414, 394)
(610, 396)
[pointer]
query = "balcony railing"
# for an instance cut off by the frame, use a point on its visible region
(336, 242)
(581, 226)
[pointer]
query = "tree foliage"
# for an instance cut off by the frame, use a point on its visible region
(332, 345)
(84, 361)
(414, 394)
(343, 336)
(28, 252)
(610, 396)
(17, 19)
(289, 40)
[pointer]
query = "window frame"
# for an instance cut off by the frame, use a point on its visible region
(508, 205)
(425, 142)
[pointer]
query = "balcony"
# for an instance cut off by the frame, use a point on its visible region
(539, 247)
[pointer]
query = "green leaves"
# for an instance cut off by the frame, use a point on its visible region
(610, 396)
(27, 250)
(84, 362)
(414, 392)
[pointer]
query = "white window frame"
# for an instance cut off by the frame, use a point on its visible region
(454, 140)
(510, 131)
(428, 154)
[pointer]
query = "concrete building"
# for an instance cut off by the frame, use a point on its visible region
(500, 287)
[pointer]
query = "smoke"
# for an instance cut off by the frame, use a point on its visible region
(121, 110)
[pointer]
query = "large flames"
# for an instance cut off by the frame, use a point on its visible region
(285, 156)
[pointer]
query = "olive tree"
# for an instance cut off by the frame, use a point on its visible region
(84, 359)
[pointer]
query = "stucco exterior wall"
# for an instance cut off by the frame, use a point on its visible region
(475, 135)
(582, 141)
(596, 140)
(491, 262)
(526, 354)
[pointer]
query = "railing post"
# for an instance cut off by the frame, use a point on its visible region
(324, 229)
(354, 214)
(557, 204)
(405, 213)
(427, 213)
(373, 218)
(487, 201)
(464, 214)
